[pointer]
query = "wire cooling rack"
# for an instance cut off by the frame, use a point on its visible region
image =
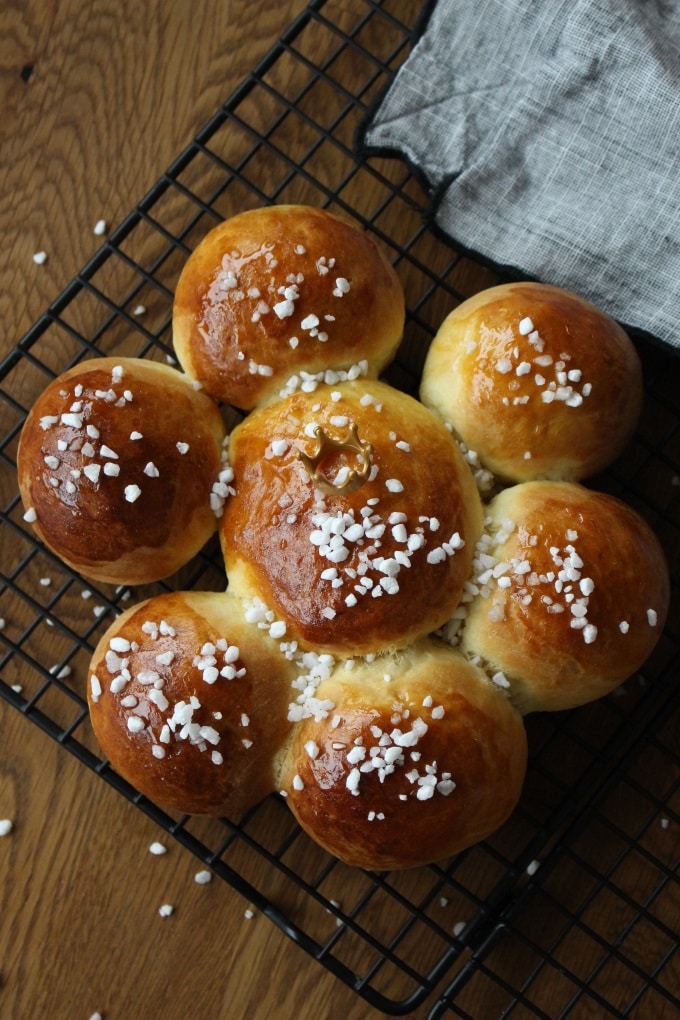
(572, 908)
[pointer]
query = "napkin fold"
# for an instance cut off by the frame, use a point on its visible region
(548, 132)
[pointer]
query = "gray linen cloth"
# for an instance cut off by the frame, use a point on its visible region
(549, 134)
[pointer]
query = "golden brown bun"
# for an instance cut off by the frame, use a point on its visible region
(539, 383)
(579, 598)
(281, 290)
(79, 469)
(205, 744)
(411, 528)
(434, 752)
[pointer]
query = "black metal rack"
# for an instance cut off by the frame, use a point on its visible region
(572, 908)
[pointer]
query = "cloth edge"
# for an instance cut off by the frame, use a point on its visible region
(364, 150)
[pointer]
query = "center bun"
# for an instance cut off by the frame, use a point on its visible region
(351, 572)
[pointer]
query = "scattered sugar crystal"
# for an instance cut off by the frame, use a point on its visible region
(589, 633)
(132, 493)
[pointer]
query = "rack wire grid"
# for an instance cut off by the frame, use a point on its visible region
(571, 909)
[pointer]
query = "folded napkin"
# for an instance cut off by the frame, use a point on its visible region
(549, 134)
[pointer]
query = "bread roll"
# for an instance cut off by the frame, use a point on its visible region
(350, 572)
(281, 290)
(573, 594)
(420, 757)
(536, 381)
(352, 531)
(189, 702)
(116, 466)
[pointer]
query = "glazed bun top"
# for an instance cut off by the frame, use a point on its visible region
(420, 756)
(535, 380)
(284, 291)
(116, 466)
(350, 570)
(188, 702)
(572, 592)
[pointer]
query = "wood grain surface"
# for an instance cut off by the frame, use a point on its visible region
(97, 98)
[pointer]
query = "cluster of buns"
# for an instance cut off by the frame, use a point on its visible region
(406, 578)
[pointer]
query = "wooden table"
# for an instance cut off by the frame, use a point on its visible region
(97, 99)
